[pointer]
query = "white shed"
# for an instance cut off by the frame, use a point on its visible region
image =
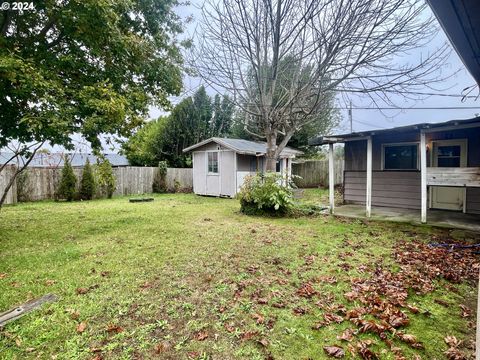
(220, 164)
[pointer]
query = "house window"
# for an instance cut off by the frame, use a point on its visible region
(448, 156)
(400, 157)
(213, 162)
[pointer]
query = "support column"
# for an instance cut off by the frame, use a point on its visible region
(289, 169)
(423, 175)
(368, 200)
(284, 171)
(331, 179)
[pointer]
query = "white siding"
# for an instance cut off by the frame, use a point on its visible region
(199, 173)
(227, 173)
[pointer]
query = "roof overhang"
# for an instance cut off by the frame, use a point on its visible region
(461, 22)
(425, 127)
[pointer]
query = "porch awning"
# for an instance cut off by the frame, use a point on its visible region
(451, 124)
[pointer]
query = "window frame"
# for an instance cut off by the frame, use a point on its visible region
(208, 162)
(408, 143)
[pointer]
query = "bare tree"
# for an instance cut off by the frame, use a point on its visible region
(350, 46)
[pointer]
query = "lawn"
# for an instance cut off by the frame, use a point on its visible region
(190, 277)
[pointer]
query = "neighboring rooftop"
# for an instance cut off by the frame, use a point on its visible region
(321, 140)
(56, 159)
(243, 146)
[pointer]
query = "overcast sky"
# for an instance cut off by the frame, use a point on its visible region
(371, 119)
(367, 119)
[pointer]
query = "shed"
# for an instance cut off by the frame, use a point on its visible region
(220, 165)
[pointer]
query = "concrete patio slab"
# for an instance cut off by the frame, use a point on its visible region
(442, 218)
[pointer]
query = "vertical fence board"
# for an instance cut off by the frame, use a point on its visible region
(41, 183)
(314, 173)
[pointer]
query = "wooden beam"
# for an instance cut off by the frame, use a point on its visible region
(331, 179)
(368, 201)
(21, 310)
(423, 176)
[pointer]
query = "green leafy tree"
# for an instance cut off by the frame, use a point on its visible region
(68, 182)
(105, 178)
(87, 183)
(194, 119)
(87, 67)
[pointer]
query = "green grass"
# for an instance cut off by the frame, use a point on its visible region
(181, 266)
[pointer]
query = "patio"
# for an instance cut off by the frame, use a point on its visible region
(441, 218)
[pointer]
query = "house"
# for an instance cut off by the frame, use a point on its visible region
(422, 166)
(52, 160)
(220, 165)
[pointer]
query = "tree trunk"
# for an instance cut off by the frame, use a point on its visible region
(17, 172)
(271, 158)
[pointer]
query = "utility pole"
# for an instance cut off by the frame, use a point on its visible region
(350, 117)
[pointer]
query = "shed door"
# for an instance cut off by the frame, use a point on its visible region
(199, 173)
(449, 153)
(227, 175)
(214, 169)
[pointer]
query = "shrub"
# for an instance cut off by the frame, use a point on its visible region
(160, 180)
(265, 194)
(105, 178)
(68, 182)
(87, 184)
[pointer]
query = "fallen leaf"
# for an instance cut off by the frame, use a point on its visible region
(347, 335)
(442, 302)
(74, 314)
(82, 291)
(306, 290)
(200, 336)
(81, 327)
(3, 275)
(334, 351)
(112, 328)
(258, 318)
(263, 342)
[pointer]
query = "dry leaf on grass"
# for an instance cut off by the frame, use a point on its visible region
(81, 327)
(334, 351)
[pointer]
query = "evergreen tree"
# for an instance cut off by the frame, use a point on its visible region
(87, 184)
(105, 178)
(68, 181)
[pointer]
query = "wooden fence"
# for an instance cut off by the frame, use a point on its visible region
(314, 173)
(41, 183)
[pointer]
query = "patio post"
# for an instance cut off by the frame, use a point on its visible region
(423, 175)
(331, 178)
(368, 200)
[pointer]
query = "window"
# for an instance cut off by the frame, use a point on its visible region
(213, 162)
(448, 156)
(400, 157)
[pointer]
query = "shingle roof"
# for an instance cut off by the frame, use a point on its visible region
(242, 146)
(56, 159)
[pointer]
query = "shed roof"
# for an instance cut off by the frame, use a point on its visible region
(451, 124)
(242, 146)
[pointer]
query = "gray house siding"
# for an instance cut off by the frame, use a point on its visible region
(389, 188)
(400, 188)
